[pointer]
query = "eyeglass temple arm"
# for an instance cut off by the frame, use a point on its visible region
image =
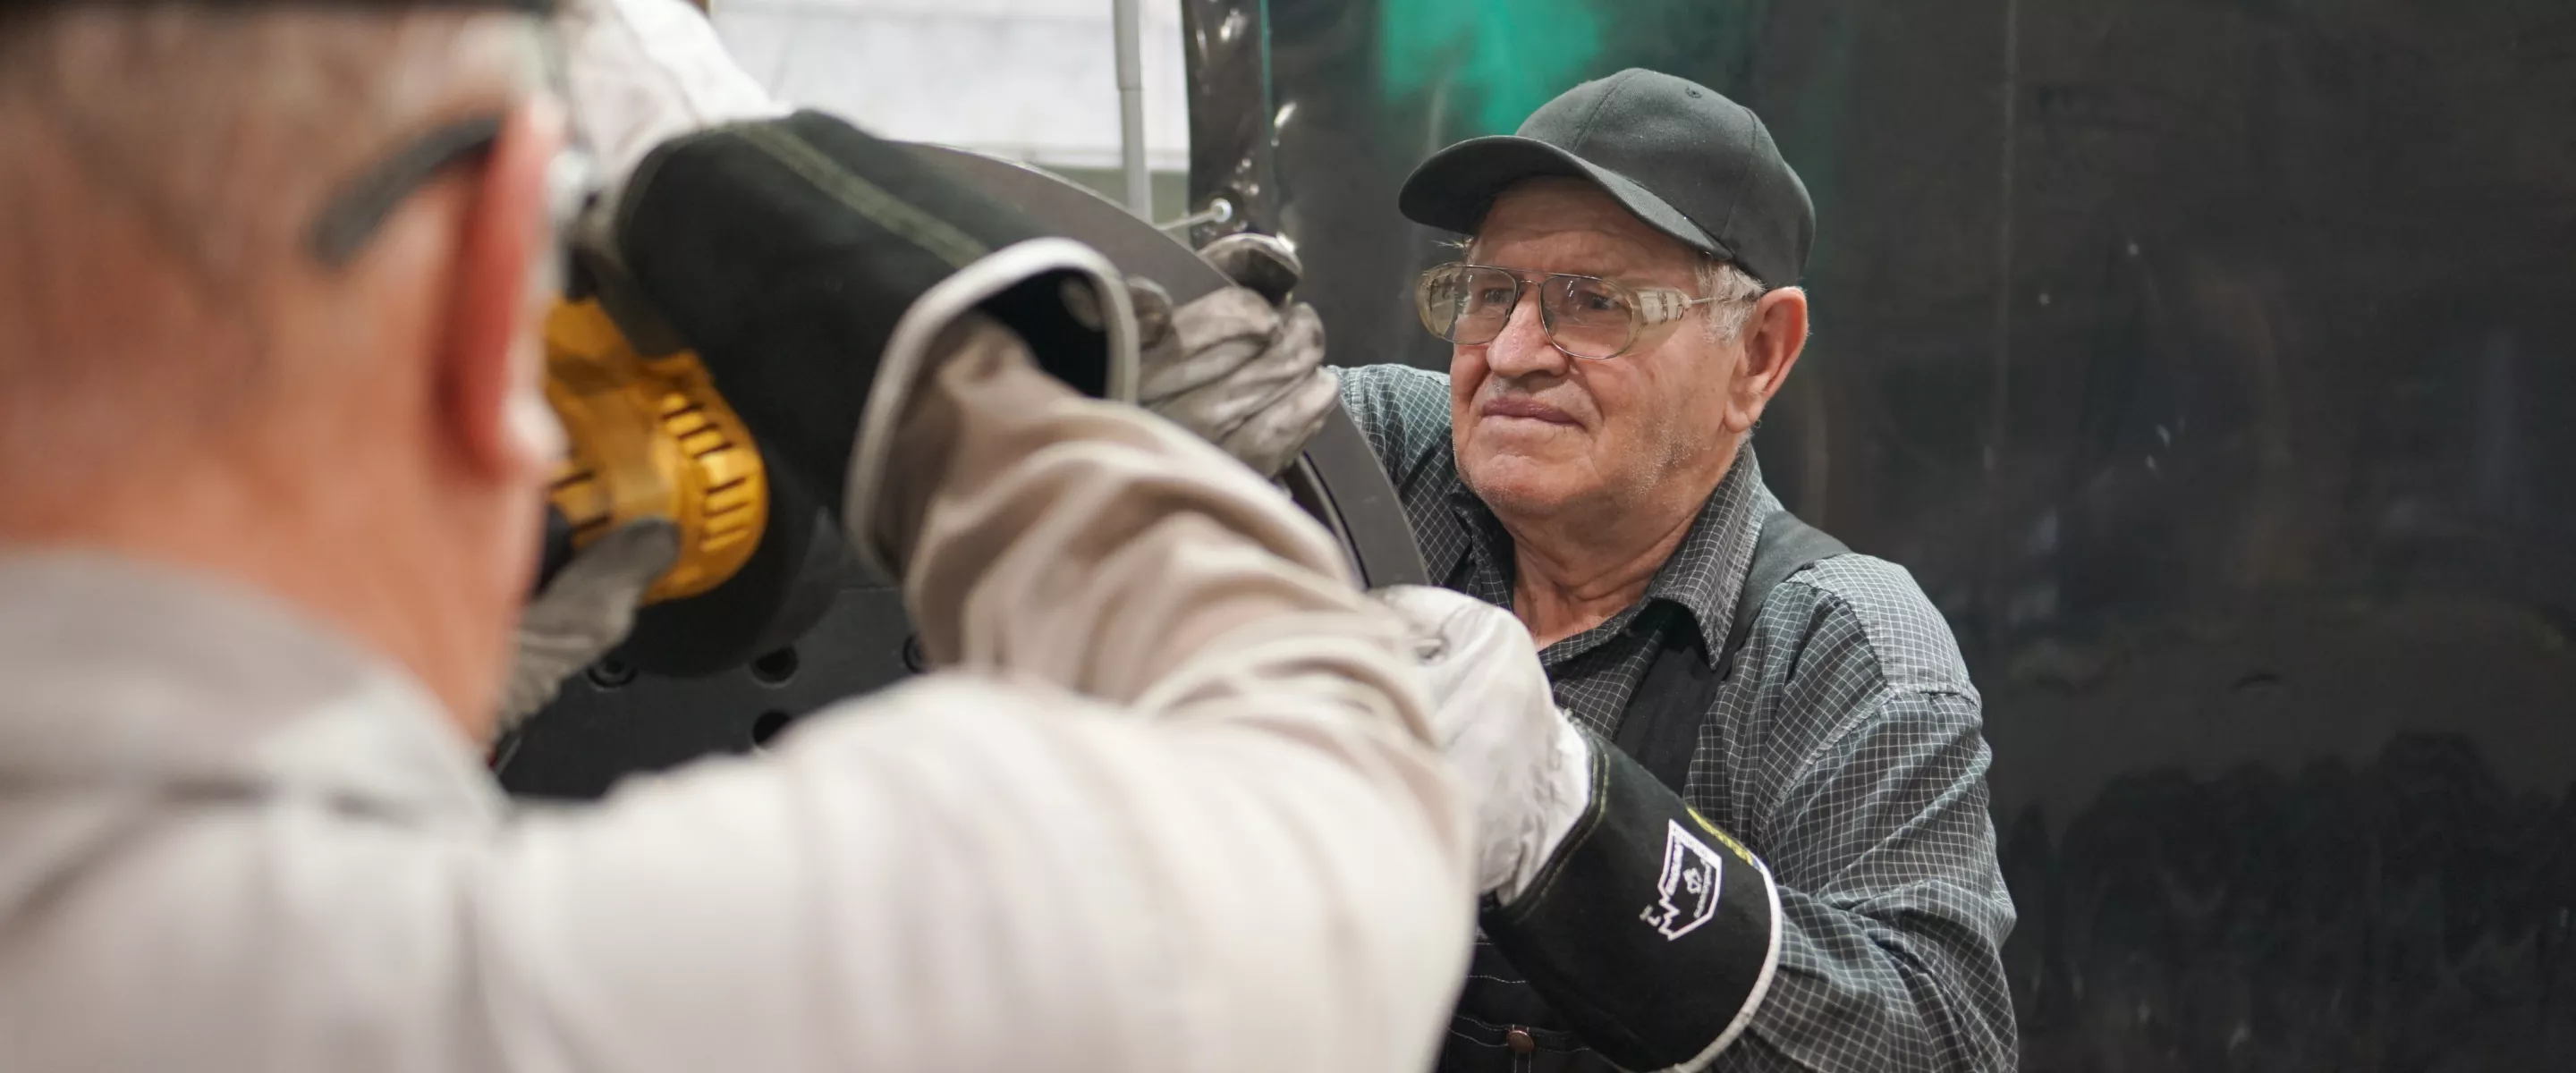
(352, 216)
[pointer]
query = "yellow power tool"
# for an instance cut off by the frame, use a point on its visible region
(650, 437)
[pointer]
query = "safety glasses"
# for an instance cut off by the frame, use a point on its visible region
(1584, 316)
(351, 218)
(353, 215)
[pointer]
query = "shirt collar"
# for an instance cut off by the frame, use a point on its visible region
(127, 675)
(1703, 577)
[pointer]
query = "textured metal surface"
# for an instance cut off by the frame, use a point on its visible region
(614, 721)
(2214, 367)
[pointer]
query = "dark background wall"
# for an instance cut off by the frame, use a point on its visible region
(2213, 365)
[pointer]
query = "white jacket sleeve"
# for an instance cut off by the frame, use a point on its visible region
(640, 72)
(1256, 863)
(229, 843)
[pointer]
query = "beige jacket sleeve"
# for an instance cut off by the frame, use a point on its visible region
(1176, 812)
(1236, 853)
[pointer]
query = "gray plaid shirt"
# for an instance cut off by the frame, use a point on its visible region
(1846, 752)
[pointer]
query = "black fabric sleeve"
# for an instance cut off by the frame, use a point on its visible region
(784, 251)
(1653, 933)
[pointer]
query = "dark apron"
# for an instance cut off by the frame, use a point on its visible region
(1501, 1025)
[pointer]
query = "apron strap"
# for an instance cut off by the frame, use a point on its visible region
(1660, 727)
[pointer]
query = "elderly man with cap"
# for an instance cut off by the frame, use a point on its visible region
(272, 449)
(1781, 857)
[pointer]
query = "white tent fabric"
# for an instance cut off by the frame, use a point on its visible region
(1033, 80)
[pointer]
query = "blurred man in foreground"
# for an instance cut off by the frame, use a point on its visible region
(268, 497)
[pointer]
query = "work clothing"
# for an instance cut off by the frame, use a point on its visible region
(584, 611)
(811, 266)
(642, 72)
(1527, 769)
(1243, 367)
(1183, 796)
(1844, 751)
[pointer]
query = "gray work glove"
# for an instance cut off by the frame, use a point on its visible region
(585, 611)
(1243, 367)
(1526, 768)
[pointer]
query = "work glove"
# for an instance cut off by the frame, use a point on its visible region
(1242, 367)
(585, 610)
(1653, 933)
(1526, 766)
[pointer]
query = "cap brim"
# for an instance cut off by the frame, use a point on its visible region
(1452, 190)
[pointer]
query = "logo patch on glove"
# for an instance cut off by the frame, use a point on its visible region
(1687, 891)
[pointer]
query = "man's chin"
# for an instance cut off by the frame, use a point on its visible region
(1520, 484)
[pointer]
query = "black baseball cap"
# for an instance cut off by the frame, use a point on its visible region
(1681, 156)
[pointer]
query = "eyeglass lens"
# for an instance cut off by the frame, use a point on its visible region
(1585, 317)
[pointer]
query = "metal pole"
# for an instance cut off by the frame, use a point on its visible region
(1131, 107)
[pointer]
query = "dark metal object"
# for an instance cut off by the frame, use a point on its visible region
(2213, 367)
(1078, 213)
(607, 726)
(616, 721)
(1338, 479)
(1225, 54)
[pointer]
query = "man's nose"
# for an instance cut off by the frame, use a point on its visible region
(1522, 348)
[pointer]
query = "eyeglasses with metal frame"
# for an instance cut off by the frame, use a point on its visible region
(1587, 317)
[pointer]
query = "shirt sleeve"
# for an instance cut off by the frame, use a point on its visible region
(1404, 412)
(1893, 906)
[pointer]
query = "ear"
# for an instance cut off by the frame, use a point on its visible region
(490, 384)
(1773, 338)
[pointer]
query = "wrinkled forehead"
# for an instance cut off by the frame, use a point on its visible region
(1556, 224)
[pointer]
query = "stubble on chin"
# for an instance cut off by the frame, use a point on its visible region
(1518, 484)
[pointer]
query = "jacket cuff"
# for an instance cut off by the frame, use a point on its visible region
(810, 265)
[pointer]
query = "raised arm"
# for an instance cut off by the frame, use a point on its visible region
(1240, 830)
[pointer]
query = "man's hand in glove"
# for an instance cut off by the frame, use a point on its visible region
(1653, 933)
(585, 611)
(1243, 367)
(1526, 767)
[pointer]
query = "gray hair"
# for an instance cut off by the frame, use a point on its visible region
(159, 163)
(1735, 290)
(225, 126)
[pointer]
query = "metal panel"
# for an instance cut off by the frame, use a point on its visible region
(2213, 365)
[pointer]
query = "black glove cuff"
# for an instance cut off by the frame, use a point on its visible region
(786, 252)
(1650, 931)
